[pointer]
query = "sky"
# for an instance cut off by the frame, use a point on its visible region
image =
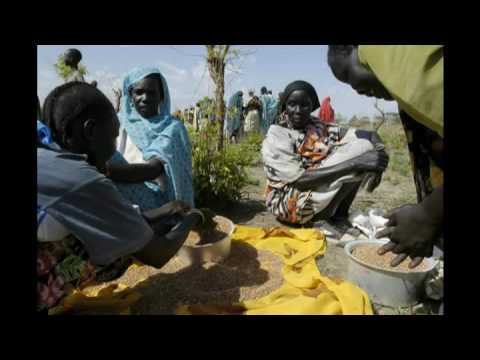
(184, 68)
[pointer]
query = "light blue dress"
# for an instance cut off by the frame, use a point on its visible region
(161, 136)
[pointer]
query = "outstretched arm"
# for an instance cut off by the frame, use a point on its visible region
(118, 97)
(135, 173)
(163, 247)
(372, 161)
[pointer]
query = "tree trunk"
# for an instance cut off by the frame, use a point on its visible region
(216, 67)
(220, 108)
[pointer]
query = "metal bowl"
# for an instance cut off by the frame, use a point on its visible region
(386, 287)
(214, 252)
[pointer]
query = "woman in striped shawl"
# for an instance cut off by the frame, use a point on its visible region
(313, 169)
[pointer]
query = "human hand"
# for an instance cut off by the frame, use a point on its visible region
(178, 207)
(412, 232)
(374, 181)
(158, 167)
(117, 93)
(376, 140)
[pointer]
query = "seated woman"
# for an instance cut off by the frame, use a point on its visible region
(153, 164)
(313, 169)
(75, 198)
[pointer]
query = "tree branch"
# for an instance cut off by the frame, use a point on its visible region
(225, 52)
(382, 113)
(210, 49)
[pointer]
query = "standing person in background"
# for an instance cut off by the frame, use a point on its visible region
(269, 108)
(326, 113)
(196, 117)
(273, 107)
(252, 120)
(233, 118)
(191, 115)
(270, 95)
(277, 107)
(247, 99)
(278, 110)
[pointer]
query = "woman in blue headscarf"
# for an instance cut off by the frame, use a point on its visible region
(153, 164)
(233, 121)
(269, 110)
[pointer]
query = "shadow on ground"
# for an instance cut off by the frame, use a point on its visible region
(162, 290)
(242, 212)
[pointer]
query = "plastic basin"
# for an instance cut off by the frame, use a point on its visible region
(214, 252)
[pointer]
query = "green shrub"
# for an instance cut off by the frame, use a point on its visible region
(253, 142)
(64, 71)
(219, 176)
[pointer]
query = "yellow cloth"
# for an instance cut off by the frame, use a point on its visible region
(413, 75)
(304, 292)
(114, 299)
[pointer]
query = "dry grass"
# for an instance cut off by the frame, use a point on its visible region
(397, 187)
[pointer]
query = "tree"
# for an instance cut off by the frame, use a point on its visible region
(64, 71)
(216, 60)
(218, 57)
(382, 116)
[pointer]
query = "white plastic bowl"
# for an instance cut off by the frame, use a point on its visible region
(214, 252)
(389, 288)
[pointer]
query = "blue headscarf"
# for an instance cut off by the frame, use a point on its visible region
(269, 110)
(44, 136)
(235, 100)
(161, 136)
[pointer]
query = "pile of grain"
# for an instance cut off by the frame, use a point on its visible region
(368, 254)
(247, 274)
(209, 236)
